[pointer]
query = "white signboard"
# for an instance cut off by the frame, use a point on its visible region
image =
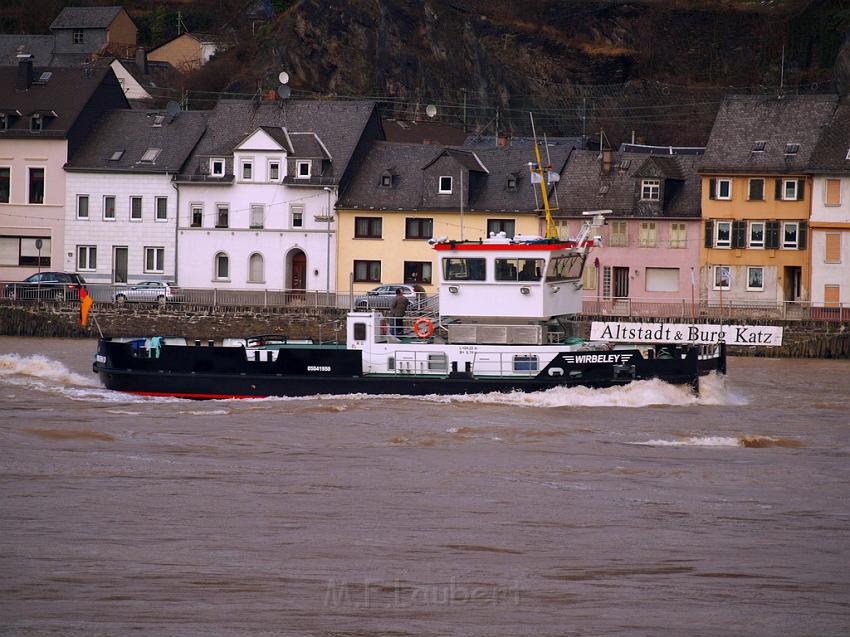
(695, 333)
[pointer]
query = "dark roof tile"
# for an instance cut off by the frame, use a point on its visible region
(831, 153)
(85, 17)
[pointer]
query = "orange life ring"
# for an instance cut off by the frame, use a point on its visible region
(429, 327)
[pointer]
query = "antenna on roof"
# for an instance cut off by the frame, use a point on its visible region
(782, 72)
(283, 76)
(283, 91)
(431, 111)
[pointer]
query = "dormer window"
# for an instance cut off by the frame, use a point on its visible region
(511, 182)
(848, 154)
(115, 156)
(650, 190)
(274, 170)
(4, 121)
(386, 180)
(302, 169)
(158, 120)
(36, 122)
(758, 147)
(217, 167)
(78, 36)
(792, 149)
(445, 187)
(150, 155)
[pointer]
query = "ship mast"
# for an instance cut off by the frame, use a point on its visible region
(541, 174)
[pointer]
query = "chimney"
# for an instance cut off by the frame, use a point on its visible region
(142, 60)
(24, 81)
(607, 162)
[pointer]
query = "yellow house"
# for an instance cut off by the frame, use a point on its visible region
(756, 198)
(186, 52)
(404, 194)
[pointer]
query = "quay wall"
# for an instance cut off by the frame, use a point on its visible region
(802, 339)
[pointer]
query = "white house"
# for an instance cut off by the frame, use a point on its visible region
(257, 196)
(830, 218)
(121, 202)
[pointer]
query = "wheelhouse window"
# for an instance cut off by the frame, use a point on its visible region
(217, 167)
(418, 228)
(755, 279)
(258, 213)
(154, 260)
(296, 215)
(36, 186)
(109, 207)
(650, 189)
(564, 268)
(417, 272)
(756, 234)
(82, 206)
(222, 216)
(222, 267)
(367, 271)
(135, 208)
(457, 269)
(525, 363)
(445, 185)
(755, 190)
(790, 235)
(161, 205)
(723, 234)
(722, 277)
(367, 227)
(495, 226)
(86, 258)
(5, 184)
(197, 215)
(519, 269)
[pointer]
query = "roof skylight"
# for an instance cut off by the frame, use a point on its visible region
(150, 155)
(792, 149)
(758, 147)
(118, 154)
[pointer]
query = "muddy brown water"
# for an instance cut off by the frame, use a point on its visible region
(631, 511)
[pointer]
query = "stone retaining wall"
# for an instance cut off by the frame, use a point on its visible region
(801, 339)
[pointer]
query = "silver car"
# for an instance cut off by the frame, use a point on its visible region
(383, 295)
(148, 292)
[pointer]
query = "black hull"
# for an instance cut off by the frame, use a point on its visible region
(210, 373)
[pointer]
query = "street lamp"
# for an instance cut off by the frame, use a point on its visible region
(328, 265)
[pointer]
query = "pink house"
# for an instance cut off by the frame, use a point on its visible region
(651, 241)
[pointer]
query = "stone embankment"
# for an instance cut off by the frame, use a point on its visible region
(802, 339)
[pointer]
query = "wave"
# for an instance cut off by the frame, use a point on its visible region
(41, 368)
(746, 440)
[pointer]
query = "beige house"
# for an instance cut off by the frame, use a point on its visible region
(186, 52)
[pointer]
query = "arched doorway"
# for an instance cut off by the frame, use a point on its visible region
(297, 269)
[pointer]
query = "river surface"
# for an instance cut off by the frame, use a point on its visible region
(631, 511)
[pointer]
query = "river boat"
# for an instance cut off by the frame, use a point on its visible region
(504, 325)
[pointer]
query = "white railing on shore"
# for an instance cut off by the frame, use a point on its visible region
(701, 309)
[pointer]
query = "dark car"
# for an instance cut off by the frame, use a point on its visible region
(53, 286)
(383, 295)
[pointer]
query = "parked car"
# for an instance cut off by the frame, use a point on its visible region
(148, 292)
(382, 296)
(54, 286)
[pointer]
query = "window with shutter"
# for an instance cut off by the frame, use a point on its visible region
(739, 234)
(709, 234)
(833, 192)
(756, 190)
(801, 189)
(833, 248)
(831, 295)
(801, 237)
(772, 242)
(712, 186)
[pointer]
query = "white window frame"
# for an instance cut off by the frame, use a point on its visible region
(717, 188)
(785, 184)
(29, 185)
(795, 245)
(87, 216)
(252, 208)
(246, 163)
(299, 164)
(157, 250)
(222, 205)
(296, 209)
(727, 243)
(217, 161)
(91, 255)
(114, 207)
(274, 162)
(755, 288)
(141, 208)
(756, 245)
(714, 273)
(196, 205)
(650, 190)
(440, 189)
(156, 209)
(219, 254)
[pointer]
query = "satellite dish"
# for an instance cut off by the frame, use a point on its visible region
(431, 110)
(283, 91)
(172, 108)
(283, 76)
